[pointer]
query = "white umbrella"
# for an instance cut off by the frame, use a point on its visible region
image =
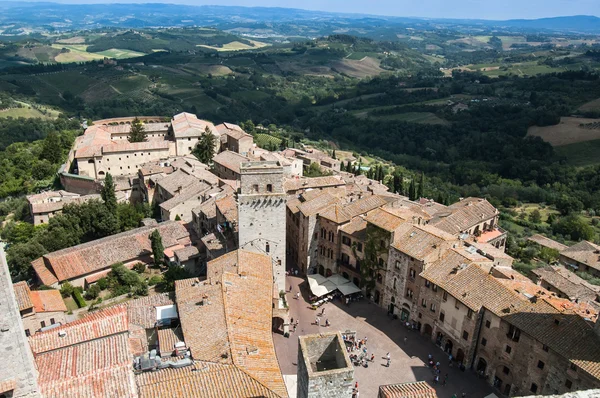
(348, 288)
(337, 279)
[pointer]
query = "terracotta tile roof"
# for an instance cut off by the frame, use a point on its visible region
(217, 325)
(97, 255)
(142, 311)
(106, 322)
(463, 215)
(205, 380)
(584, 252)
(187, 253)
(230, 160)
(419, 389)
(421, 242)
(227, 206)
(97, 368)
(318, 204)
(188, 125)
(232, 130)
(23, 295)
(150, 145)
(193, 192)
(567, 282)
(43, 273)
(295, 184)
(547, 242)
(8, 385)
(208, 207)
(48, 301)
(176, 182)
(384, 219)
(293, 202)
(357, 228)
(344, 213)
(487, 249)
(204, 327)
(167, 339)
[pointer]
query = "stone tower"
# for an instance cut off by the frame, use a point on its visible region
(261, 214)
(324, 368)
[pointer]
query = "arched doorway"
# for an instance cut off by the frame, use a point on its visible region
(391, 307)
(321, 270)
(356, 281)
(438, 339)
(328, 273)
(460, 355)
(481, 367)
(278, 325)
(405, 312)
(428, 330)
(345, 275)
(377, 296)
(448, 346)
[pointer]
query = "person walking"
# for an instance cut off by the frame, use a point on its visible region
(295, 325)
(405, 339)
(436, 379)
(327, 323)
(318, 321)
(445, 379)
(323, 311)
(389, 361)
(290, 288)
(387, 356)
(298, 296)
(372, 357)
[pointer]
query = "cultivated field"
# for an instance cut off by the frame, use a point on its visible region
(592, 106)
(237, 46)
(581, 153)
(364, 67)
(570, 130)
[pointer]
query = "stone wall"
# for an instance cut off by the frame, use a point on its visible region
(18, 365)
(324, 369)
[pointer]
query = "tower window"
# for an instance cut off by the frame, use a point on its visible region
(267, 248)
(269, 188)
(255, 187)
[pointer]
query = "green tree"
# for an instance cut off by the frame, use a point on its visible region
(93, 292)
(52, 149)
(535, 216)
(108, 194)
(412, 190)
(137, 132)
(333, 154)
(20, 256)
(66, 289)
(205, 149)
(157, 247)
(399, 183)
(421, 189)
(574, 227)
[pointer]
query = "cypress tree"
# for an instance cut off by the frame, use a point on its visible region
(158, 250)
(333, 154)
(137, 133)
(420, 192)
(412, 190)
(108, 194)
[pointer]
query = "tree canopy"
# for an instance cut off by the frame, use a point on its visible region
(205, 149)
(137, 132)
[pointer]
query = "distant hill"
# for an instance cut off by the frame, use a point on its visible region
(21, 17)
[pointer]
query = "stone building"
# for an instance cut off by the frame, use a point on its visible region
(311, 156)
(39, 309)
(186, 130)
(262, 214)
(45, 205)
(566, 284)
(18, 374)
(583, 256)
(227, 165)
(324, 368)
(414, 248)
(84, 264)
(235, 138)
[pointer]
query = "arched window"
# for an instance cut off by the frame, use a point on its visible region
(393, 299)
(269, 188)
(395, 279)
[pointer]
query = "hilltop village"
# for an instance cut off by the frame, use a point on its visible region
(242, 224)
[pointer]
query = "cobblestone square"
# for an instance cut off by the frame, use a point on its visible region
(408, 360)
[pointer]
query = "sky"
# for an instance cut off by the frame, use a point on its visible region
(470, 9)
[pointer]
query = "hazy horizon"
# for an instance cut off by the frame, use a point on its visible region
(461, 9)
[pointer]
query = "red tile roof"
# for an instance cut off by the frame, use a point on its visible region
(207, 380)
(23, 296)
(110, 321)
(419, 389)
(100, 254)
(217, 324)
(463, 215)
(48, 301)
(96, 368)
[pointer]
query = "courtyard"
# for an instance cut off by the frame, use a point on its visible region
(408, 359)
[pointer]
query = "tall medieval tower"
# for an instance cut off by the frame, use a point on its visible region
(261, 214)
